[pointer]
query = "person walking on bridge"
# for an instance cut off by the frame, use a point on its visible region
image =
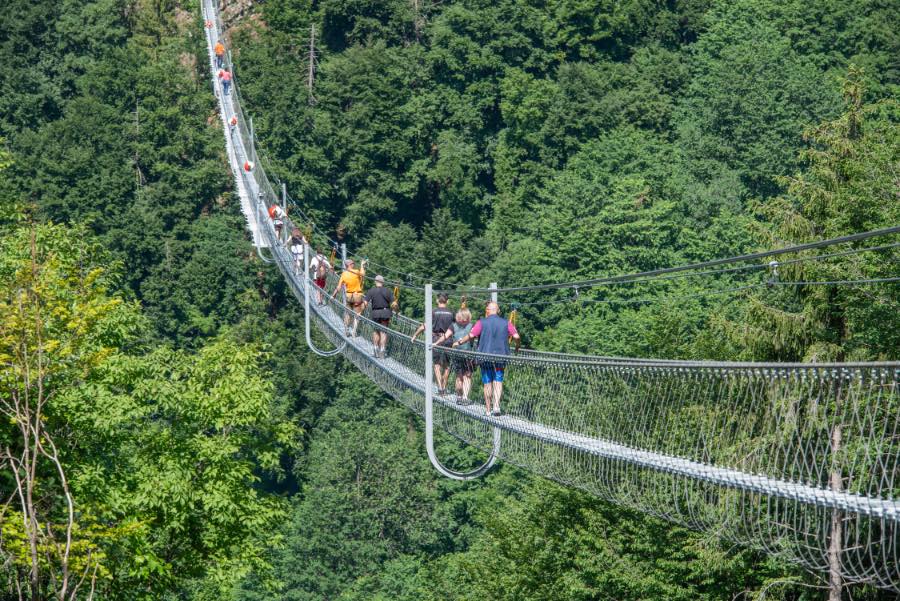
(441, 321)
(319, 267)
(493, 333)
(277, 215)
(351, 283)
(220, 54)
(225, 76)
(295, 244)
(462, 365)
(380, 299)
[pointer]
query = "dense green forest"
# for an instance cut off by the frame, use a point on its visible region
(175, 438)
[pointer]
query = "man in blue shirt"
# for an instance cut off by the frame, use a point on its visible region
(493, 333)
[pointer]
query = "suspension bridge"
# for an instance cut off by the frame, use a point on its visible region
(801, 461)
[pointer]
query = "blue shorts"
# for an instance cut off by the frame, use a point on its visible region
(491, 372)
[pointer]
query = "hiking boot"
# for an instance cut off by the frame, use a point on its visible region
(496, 412)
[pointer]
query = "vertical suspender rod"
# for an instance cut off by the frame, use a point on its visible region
(429, 409)
(306, 311)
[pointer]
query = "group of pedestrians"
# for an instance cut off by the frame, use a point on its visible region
(224, 74)
(449, 329)
(493, 333)
(457, 331)
(319, 265)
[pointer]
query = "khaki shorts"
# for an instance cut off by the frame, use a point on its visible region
(355, 299)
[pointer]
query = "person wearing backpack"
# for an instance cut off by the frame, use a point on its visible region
(319, 268)
(351, 283)
(277, 214)
(380, 299)
(295, 244)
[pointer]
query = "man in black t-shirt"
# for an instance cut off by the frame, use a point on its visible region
(441, 320)
(379, 299)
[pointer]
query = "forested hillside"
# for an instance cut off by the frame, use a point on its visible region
(168, 435)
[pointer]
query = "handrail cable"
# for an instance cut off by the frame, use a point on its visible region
(677, 272)
(712, 263)
(660, 299)
(467, 291)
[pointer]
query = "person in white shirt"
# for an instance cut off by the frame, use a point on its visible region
(295, 244)
(277, 214)
(319, 268)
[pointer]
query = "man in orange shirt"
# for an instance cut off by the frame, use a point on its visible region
(352, 283)
(220, 54)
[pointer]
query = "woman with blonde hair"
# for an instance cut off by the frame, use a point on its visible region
(462, 366)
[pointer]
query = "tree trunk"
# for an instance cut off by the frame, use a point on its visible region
(835, 579)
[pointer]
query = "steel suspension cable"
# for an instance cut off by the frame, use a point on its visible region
(702, 265)
(661, 299)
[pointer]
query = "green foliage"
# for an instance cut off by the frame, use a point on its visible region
(749, 99)
(556, 544)
(189, 433)
(128, 151)
(161, 449)
(848, 186)
(370, 497)
(167, 452)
